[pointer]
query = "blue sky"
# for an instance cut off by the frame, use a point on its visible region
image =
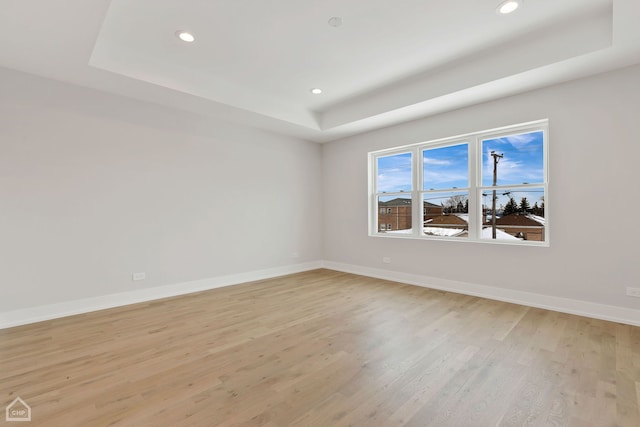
(522, 162)
(448, 167)
(394, 173)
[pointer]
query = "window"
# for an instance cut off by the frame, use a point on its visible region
(445, 189)
(514, 186)
(394, 185)
(488, 186)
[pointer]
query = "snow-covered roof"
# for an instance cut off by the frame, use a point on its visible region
(500, 235)
(536, 218)
(463, 216)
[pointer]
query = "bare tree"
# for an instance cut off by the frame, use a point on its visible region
(453, 203)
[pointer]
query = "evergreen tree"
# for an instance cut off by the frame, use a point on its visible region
(460, 207)
(511, 207)
(524, 205)
(466, 206)
(536, 209)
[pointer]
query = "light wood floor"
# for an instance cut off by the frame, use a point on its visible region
(324, 349)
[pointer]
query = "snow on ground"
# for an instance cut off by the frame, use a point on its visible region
(443, 232)
(433, 231)
(408, 231)
(453, 232)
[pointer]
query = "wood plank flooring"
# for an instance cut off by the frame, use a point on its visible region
(323, 348)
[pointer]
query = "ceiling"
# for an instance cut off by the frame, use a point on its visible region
(255, 62)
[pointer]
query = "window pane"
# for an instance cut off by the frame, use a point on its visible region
(520, 214)
(394, 173)
(446, 214)
(394, 214)
(522, 160)
(445, 167)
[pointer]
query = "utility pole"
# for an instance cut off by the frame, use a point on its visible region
(496, 159)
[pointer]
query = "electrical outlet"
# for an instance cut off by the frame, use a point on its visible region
(139, 276)
(386, 260)
(633, 292)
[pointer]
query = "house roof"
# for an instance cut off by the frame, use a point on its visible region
(378, 63)
(431, 205)
(447, 219)
(399, 201)
(521, 220)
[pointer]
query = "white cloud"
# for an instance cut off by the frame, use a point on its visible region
(395, 181)
(519, 141)
(506, 167)
(439, 162)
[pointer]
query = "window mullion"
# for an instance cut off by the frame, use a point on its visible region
(475, 207)
(417, 218)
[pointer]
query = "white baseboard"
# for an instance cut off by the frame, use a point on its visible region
(53, 311)
(565, 305)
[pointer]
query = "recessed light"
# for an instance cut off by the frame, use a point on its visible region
(316, 91)
(508, 6)
(335, 21)
(185, 36)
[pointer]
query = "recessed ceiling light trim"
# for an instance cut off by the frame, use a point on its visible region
(335, 21)
(316, 91)
(185, 36)
(508, 6)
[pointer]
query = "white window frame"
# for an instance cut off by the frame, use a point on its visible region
(474, 190)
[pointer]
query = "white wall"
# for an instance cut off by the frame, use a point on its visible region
(94, 187)
(593, 200)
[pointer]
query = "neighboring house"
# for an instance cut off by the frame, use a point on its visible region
(526, 227)
(429, 210)
(457, 223)
(396, 214)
